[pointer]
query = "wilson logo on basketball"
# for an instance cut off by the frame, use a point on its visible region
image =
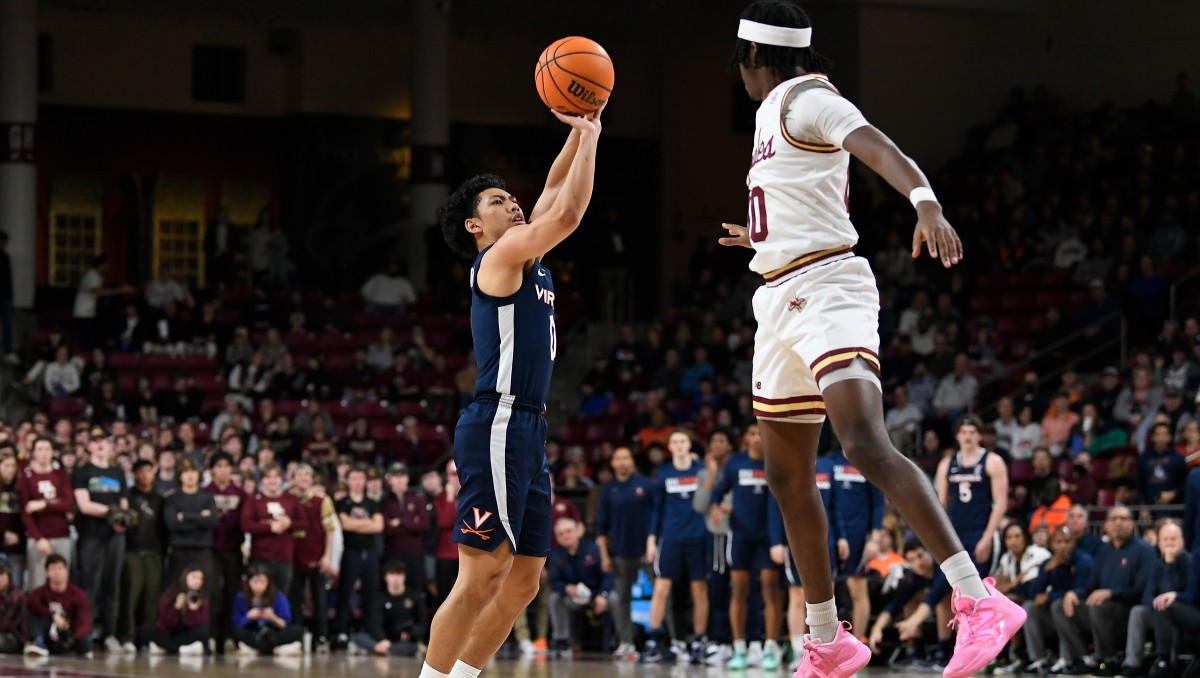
(587, 96)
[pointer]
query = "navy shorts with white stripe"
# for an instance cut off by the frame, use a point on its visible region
(500, 450)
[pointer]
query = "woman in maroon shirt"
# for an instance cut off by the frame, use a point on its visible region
(445, 508)
(182, 625)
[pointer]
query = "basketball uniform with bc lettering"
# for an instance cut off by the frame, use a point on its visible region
(818, 307)
(970, 509)
(500, 440)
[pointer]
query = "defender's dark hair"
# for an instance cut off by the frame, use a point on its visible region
(462, 205)
(783, 61)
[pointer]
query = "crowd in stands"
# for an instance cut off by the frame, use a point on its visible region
(267, 470)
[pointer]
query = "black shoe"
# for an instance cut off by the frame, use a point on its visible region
(1163, 669)
(1076, 669)
(652, 653)
(1106, 669)
(696, 650)
(1128, 671)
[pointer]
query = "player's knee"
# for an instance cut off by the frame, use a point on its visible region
(864, 449)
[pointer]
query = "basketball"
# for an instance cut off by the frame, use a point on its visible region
(574, 76)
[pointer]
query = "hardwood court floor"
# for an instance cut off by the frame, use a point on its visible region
(359, 667)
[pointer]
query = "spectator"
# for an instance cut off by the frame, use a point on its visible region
(1019, 565)
(227, 542)
(445, 509)
(577, 582)
(956, 392)
(1138, 399)
(1026, 437)
(1176, 613)
(624, 503)
(165, 288)
(903, 420)
(262, 618)
(699, 370)
(406, 521)
(389, 291)
(47, 500)
(314, 553)
(182, 624)
(1057, 424)
(91, 290)
(270, 517)
(362, 525)
(1189, 444)
(382, 352)
(61, 378)
(14, 622)
(1068, 569)
(1161, 471)
(399, 615)
(142, 575)
(302, 425)
(190, 516)
(1043, 476)
(1119, 574)
(1081, 488)
(12, 527)
(1168, 578)
(60, 620)
(181, 402)
(102, 499)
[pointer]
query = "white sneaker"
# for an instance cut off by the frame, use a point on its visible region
(527, 648)
(195, 649)
(155, 650)
(112, 645)
(129, 648)
(717, 655)
(624, 650)
(245, 650)
(35, 650)
(295, 649)
(754, 654)
(1059, 666)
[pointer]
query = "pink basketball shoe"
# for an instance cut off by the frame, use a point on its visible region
(984, 627)
(843, 657)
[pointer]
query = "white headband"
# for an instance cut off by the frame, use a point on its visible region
(766, 34)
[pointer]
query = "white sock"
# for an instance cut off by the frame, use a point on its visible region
(822, 620)
(463, 670)
(961, 573)
(798, 645)
(740, 646)
(428, 671)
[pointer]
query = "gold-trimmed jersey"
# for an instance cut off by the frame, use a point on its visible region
(799, 175)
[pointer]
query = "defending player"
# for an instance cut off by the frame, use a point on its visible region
(816, 348)
(503, 526)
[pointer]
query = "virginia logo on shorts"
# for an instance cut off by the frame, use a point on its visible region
(797, 303)
(481, 517)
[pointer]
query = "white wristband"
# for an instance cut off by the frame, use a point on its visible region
(921, 194)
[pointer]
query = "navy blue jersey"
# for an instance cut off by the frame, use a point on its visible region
(515, 338)
(746, 478)
(859, 503)
(624, 515)
(674, 518)
(970, 494)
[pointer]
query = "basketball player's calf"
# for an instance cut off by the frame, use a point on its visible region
(491, 626)
(481, 576)
(989, 618)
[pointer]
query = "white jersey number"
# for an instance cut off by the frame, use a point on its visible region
(553, 340)
(964, 492)
(756, 217)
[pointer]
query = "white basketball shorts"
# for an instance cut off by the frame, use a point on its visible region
(816, 316)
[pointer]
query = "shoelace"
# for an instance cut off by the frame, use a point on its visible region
(961, 623)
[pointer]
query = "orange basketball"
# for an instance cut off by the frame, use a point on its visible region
(574, 75)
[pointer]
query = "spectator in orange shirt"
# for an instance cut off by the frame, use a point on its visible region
(885, 553)
(1057, 424)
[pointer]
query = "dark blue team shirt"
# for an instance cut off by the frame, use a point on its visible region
(581, 568)
(1165, 577)
(515, 337)
(1123, 571)
(673, 517)
(1072, 576)
(824, 480)
(860, 504)
(970, 494)
(624, 515)
(746, 478)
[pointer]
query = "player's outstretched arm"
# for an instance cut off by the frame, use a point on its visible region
(529, 241)
(881, 155)
(557, 175)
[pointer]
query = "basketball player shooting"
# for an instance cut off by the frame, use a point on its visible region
(503, 523)
(816, 347)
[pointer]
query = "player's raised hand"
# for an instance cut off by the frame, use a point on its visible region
(739, 236)
(937, 234)
(583, 123)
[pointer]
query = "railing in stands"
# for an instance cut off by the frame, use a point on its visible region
(1095, 348)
